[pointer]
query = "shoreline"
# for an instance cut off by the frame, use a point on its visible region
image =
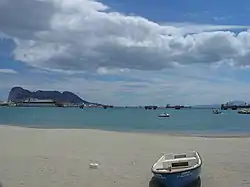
(171, 134)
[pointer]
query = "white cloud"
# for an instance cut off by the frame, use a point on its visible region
(75, 37)
(187, 28)
(84, 35)
(175, 86)
(11, 71)
(108, 71)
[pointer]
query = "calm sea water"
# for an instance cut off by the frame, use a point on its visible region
(181, 121)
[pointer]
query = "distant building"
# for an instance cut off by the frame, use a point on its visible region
(32, 102)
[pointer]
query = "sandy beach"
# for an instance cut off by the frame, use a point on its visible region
(58, 157)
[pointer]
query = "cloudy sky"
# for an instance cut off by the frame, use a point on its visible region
(128, 52)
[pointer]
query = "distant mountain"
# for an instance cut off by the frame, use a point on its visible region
(18, 94)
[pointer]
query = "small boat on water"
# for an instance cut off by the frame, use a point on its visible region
(244, 111)
(164, 115)
(217, 111)
(177, 170)
(93, 165)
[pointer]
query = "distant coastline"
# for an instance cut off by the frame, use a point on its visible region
(20, 97)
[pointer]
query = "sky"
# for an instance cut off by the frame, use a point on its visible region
(128, 52)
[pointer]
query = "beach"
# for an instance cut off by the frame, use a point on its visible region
(60, 157)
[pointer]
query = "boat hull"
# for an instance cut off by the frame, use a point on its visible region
(178, 179)
(164, 116)
(244, 112)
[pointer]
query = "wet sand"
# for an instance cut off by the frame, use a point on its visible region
(61, 157)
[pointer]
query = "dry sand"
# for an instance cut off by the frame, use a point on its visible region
(58, 158)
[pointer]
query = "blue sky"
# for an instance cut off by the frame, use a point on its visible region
(199, 11)
(128, 52)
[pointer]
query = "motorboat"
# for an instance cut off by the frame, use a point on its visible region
(177, 170)
(164, 115)
(217, 111)
(93, 165)
(244, 111)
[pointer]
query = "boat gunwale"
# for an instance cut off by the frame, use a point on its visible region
(177, 171)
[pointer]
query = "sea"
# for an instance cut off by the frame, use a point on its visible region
(184, 121)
